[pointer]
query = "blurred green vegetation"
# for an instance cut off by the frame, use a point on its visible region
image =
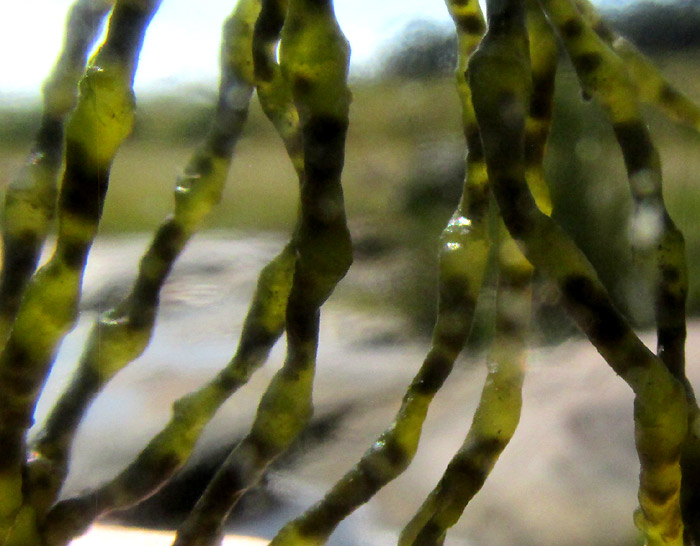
(403, 177)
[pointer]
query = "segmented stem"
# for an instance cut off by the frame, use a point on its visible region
(101, 120)
(651, 85)
(653, 88)
(603, 76)
(464, 251)
(274, 91)
(30, 200)
(172, 446)
(317, 77)
(498, 412)
(497, 415)
(500, 81)
(544, 55)
(121, 334)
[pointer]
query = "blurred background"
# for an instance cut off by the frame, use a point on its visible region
(405, 150)
(403, 176)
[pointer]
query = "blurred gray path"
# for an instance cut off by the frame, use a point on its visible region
(569, 477)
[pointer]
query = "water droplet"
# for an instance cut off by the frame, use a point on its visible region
(106, 320)
(185, 182)
(460, 221)
(36, 157)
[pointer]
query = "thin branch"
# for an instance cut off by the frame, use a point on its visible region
(499, 78)
(498, 412)
(497, 415)
(101, 121)
(652, 86)
(30, 200)
(121, 334)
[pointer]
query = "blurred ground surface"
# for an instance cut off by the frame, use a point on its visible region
(569, 476)
(107, 535)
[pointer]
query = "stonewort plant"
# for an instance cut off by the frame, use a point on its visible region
(505, 81)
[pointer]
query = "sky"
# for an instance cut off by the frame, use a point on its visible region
(182, 42)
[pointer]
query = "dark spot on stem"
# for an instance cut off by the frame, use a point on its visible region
(454, 294)
(541, 100)
(84, 185)
(71, 517)
(147, 473)
(470, 23)
(478, 199)
(49, 139)
(587, 62)
(433, 373)
(202, 165)
(637, 147)
(324, 129)
(324, 138)
(668, 94)
(373, 479)
(467, 469)
(42, 481)
(301, 85)
(19, 378)
(429, 534)
(670, 274)
(516, 204)
(510, 326)
(11, 454)
(573, 28)
(325, 516)
(593, 311)
(168, 241)
(660, 495)
(490, 447)
(145, 298)
(225, 132)
(66, 416)
(473, 138)
(394, 453)
(667, 300)
(21, 255)
(256, 338)
(534, 148)
(74, 253)
(126, 29)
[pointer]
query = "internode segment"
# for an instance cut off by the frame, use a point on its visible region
(30, 200)
(101, 120)
(499, 77)
(122, 334)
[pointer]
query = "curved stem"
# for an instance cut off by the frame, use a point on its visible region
(100, 122)
(121, 334)
(499, 77)
(497, 415)
(30, 199)
(498, 412)
(317, 77)
(651, 85)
